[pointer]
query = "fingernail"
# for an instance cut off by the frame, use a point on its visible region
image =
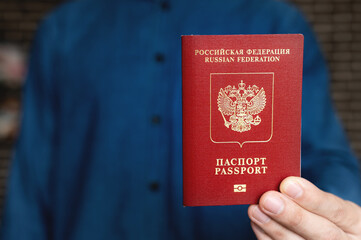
(293, 190)
(259, 215)
(273, 204)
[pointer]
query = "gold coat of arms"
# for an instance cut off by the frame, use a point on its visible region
(242, 105)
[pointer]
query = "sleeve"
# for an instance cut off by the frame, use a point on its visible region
(27, 214)
(327, 159)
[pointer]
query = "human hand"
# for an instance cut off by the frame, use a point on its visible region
(302, 211)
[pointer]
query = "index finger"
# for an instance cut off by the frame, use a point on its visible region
(345, 214)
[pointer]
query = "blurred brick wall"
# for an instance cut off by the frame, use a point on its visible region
(336, 22)
(18, 21)
(338, 27)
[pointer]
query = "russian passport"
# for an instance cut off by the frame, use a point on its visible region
(241, 100)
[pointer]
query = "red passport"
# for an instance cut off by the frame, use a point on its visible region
(241, 116)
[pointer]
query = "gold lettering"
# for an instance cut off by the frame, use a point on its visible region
(249, 161)
(235, 166)
(234, 161)
(219, 161)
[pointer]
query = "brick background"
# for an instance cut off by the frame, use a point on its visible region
(338, 27)
(18, 22)
(19, 19)
(336, 22)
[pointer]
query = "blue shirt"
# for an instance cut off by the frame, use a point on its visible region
(100, 155)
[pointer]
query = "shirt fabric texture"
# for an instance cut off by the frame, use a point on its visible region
(100, 150)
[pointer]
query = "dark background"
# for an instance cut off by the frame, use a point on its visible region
(337, 24)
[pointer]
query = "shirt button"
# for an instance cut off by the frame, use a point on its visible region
(159, 57)
(165, 6)
(156, 119)
(154, 186)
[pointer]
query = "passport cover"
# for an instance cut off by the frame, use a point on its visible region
(241, 98)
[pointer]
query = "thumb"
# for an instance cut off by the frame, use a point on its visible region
(345, 214)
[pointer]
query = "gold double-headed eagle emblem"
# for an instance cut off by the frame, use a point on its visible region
(242, 104)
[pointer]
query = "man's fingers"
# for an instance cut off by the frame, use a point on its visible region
(302, 211)
(266, 229)
(298, 220)
(260, 234)
(344, 214)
